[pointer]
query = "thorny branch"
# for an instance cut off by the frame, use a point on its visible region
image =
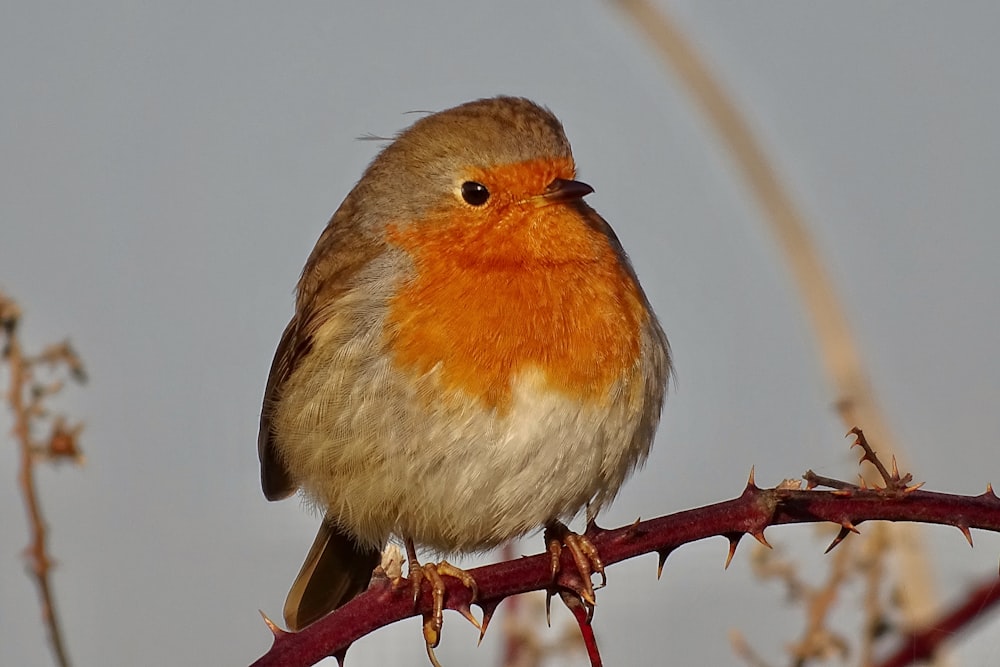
(751, 513)
(26, 396)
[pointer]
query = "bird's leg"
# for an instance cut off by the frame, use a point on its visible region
(434, 620)
(585, 556)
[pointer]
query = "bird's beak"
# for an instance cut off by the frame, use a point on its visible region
(562, 190)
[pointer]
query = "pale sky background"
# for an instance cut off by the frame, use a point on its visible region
(165, 169)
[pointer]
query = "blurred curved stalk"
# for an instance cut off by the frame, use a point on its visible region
(841, 360)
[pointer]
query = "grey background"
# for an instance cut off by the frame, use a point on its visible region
(166, 168)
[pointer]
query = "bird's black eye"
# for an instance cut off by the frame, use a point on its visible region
(474, 194)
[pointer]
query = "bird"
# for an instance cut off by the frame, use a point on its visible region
(471, 356)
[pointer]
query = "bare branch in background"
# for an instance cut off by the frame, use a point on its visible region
(27, 396)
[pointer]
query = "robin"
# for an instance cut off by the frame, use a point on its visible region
(471, 357)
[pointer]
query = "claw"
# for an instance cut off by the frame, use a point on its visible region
(416, 578)
(431, 639)
(434, 619)
(585, 557)
(437, 593)
(446, 568)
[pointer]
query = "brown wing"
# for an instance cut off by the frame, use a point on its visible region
(341, 251)
(274, 478)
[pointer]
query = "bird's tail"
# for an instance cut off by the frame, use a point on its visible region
(336, 569)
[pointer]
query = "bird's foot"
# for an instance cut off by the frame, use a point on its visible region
(432, 573)
(585, 556)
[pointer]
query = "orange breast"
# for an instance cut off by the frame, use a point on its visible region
(527, 288)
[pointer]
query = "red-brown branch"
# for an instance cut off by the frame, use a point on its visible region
(750, 513)
(922, 644)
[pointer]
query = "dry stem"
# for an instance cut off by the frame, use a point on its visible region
(26, 398)
(841, 360)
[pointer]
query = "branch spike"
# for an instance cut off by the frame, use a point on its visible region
(913, 487)
(663, 559)
(488, 610)
(849, 526)
(759, 536)
(272, 626)
(751, 484)
(989, 490)
(844, 532)
(810, 478)
(895, 468)
(633, 530)
(466, 611)
(548, 607)
(593, 529)
(965, 531)
(734, 541)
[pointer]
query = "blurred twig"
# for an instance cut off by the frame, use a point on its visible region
(923, 644)
(841, 360)
(26, 397)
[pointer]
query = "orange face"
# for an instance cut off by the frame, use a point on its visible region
(517, 284)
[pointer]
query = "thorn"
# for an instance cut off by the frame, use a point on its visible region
(989, 490)
(593, 529)
(849, 526)
(631, 531)
(844, 532)
(965, 531)
(751, 484)
(895, 468)
(548, 607)
(913, 487)
(734, 541)
(488, 610)
(810, 478)
(759, 536)
(663, 559)
(272, 626)
(863, 485)
(340, 655)
(842, 493)
(466, 612)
